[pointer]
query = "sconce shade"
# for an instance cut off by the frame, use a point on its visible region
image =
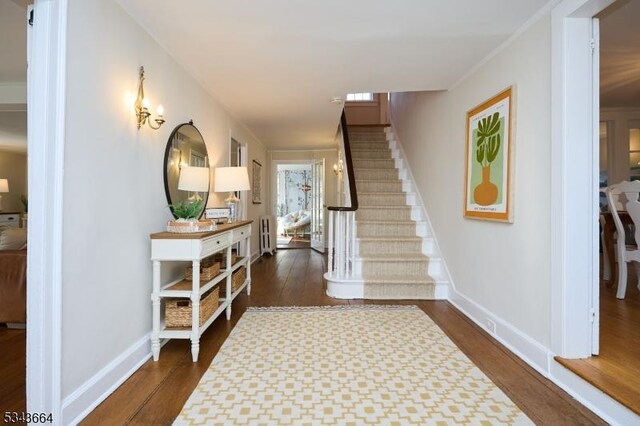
(228, 179)
(194, 179)
(4, 185)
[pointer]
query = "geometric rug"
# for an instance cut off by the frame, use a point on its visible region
(367, 364)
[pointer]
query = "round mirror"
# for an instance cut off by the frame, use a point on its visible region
(185, 159)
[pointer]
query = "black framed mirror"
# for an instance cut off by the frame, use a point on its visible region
(186, 147)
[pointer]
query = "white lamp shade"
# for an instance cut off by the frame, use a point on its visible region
(229, 179)
(4, 185)
(194, 179)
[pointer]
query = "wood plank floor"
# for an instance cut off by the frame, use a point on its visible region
(12, 370)
(156, 393)
(616, 370)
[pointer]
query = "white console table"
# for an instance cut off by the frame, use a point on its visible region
(167, 246)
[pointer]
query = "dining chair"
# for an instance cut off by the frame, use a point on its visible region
(623, 198)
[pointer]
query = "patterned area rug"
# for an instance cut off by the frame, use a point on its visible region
(338, 365)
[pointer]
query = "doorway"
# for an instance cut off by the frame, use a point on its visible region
(294, 202)
(616, 152)
(13, 203)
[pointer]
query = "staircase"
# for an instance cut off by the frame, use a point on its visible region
(395, 256)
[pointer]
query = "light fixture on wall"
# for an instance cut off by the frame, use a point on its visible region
(4, 188)
(338, 168)
(142, 107)
(231, 179)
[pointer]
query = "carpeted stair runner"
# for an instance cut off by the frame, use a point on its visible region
(393, 265)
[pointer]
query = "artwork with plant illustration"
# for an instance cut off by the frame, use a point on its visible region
(488, 166)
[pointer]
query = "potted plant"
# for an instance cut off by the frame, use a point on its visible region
(188, 213)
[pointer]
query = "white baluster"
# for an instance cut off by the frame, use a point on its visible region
(331, 243)
(347, 234)
(353, 240)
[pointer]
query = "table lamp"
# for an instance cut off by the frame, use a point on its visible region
(194, 179)
(4, 188)
(231, 179)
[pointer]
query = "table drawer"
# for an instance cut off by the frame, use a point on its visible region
(10, 219)
(240, 233)
(213, 244)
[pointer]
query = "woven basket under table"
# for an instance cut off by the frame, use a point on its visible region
(238, 278)
(177, 312)
(206, 272)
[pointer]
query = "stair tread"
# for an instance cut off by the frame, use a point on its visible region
(388, 257)
(400, 279)
(384, 207)
(382, 193)
(392, 239)
(378, 222)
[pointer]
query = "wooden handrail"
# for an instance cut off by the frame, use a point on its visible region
(349, 166)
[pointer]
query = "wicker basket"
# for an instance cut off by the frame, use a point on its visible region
(207, 271)
(177, 312)
(222, 258)
(238, 278)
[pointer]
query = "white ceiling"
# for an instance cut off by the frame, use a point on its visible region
(275, 65)
(620, 55)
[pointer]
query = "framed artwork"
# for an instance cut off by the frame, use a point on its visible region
(218, 213)
(489, 159)
(257, 183)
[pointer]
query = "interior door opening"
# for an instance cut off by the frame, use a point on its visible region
(613, 368)
(294, 203)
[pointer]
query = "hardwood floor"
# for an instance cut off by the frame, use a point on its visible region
(296, 243)
(616, 370)
(156, 393)
(12, 370)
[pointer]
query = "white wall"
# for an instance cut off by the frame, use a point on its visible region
(504, 268)
(113, 183)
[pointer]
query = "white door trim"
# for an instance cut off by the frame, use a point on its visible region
(46, 132)
(574, 165)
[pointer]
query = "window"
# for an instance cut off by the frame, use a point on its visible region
(360, 97)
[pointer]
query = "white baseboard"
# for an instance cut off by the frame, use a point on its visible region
(255, 256)
(610, 410)
(532, 352)
(83, 400)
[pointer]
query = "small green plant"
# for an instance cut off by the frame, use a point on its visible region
(25, 202)
(488, 143)
(187, 210)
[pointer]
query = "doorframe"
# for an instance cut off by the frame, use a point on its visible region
(46, 88)
(574, 204)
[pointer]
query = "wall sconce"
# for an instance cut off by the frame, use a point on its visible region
(338, 168)
(142, 107)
